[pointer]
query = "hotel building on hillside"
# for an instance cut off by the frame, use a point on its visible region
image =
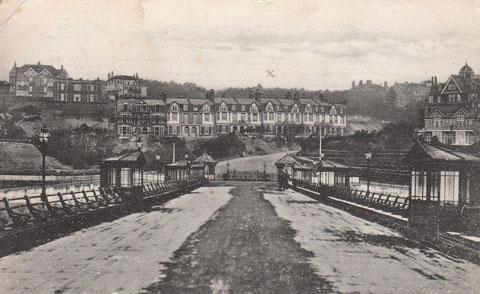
(212, 115)
(452, 112)
(35, 80)
(124, 87)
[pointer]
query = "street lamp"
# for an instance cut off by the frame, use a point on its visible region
(157, 158)
(368, 157)
(188, 166)
(139, 143)
(43, 138)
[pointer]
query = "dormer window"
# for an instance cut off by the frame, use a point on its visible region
(295, 109)
(223, 108)
(185, 107)
(174, 108)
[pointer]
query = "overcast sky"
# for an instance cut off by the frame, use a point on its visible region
(217, 44)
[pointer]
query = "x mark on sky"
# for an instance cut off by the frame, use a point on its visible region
(270, 73)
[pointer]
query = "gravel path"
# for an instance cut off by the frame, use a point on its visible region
(246, 249)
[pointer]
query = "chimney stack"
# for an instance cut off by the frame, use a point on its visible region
(353, 84)
(163, 95)
(296, 97)
(211, 95)
(258, 95)
(360, 83)
(385, 84)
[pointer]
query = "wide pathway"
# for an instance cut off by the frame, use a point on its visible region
(246, 238)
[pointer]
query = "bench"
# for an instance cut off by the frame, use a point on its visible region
(38, 210)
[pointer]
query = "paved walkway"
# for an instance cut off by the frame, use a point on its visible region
(246, 238)
(246, 249)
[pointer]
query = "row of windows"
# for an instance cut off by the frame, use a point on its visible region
(253, 108)
(76, 87)
(76, 97)
(126, 131)
(252, 117)
(439, 123)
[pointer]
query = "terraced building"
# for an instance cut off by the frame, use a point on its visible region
(210, 116)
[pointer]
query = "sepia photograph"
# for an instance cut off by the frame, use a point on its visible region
(227, 146)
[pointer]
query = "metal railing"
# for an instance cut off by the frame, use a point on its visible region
(386, 202)
(33, 210)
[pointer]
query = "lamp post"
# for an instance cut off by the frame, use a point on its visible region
(368, 157)
(139, 145)
(157, 158)
(188, 166)
(43, 138)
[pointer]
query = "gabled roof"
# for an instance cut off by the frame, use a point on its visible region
(297, 162)
(178, 101)
(133, 157)
(227, 100)
(38, 68)
(423, 152)
(246, 101)
(435, 110)
(204, 158)
(274, 101)
(327, 164)
(459, 82)
(449, 111)
(199, 101)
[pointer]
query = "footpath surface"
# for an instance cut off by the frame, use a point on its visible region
(237, 238)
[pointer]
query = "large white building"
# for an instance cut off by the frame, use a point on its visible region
(218, 115)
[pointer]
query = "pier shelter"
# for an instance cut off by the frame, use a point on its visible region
(297, 167)
(443, 174)
(444, 189)
(205, 166)
(332, 173)
(124, 170)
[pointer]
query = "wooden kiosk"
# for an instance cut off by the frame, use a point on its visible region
(446, 180)
(333, 173)
(203, 166)
(123, 171)
(297, 167)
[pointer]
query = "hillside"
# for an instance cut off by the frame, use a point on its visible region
(388, 146)
(25, 158)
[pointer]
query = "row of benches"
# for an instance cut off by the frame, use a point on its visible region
(20, 212)
(386, 202)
